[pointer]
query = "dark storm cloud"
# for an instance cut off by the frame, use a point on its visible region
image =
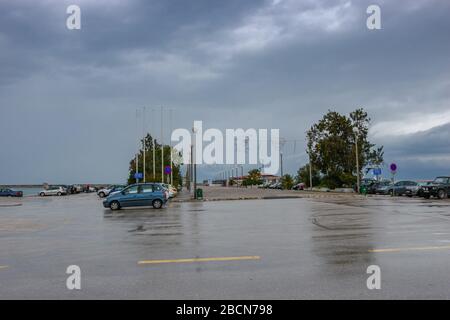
(69, 97)
(422, 155)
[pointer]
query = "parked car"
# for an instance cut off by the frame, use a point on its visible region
(172, 191)
(71, 189)
(375, 187)
(104, 192)
(136, 195)
(383, 188)
(421, 185)
(276, 185)
(265, 185)
(53, 191)
(409, 188)
(439, 188)
(299, 186)
(10, 193)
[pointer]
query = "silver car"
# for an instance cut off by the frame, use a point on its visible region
(53, 191)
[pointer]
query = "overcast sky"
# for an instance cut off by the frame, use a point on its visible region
(68, 97)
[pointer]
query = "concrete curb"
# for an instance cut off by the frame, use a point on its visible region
(318, 195)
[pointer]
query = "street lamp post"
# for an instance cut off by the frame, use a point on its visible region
(281, 164)
(194, 163)
(310, 171)
(357, 161)
(143, 142)
(171, 160)
(139, 147)
(162, 147)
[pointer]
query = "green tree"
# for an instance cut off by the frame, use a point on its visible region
(303, 176)
(149, 176)
(287, 182)
(332, 147)
(253, 178)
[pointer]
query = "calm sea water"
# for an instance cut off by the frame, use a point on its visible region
(28, 191)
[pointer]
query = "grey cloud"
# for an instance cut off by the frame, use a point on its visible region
(198, 58)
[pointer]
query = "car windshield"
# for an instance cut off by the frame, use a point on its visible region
(441, 180)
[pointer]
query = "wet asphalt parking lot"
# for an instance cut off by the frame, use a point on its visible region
(248, 249)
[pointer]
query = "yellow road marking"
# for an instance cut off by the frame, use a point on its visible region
(410, 249)
(199, 260)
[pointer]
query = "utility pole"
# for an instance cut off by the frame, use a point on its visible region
(281, 142)
(310, 171)
(162, 147)
(195, 181)
(137, 154)
(194, 160)
(281, 163)
(171, 160)
(357, 162)
(144, 146)
(191, 164)
(154, 143)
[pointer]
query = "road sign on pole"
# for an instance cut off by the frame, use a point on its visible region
(167, 170)
(393, 167)
(138, 175)
(376, 171)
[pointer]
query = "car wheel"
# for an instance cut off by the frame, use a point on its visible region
(115, 205)
(101, 194)
(157, 204)
(42, 194)
(442, 194)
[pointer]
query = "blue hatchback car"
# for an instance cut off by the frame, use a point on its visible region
(138, 195)
(10, 193)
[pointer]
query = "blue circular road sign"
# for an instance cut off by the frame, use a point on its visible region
(393, 167)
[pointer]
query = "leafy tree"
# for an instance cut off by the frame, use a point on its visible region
(287, 182)
(303, 176)
(253, 178)
(332, 147)
(149, 177)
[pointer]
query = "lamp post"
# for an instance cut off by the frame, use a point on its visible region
(153, 145)
(139, 147)
(194, 162)
(355, 131)
(171, 160)
(310, 173)
(143, 141)
(281, 164)
(162, 147)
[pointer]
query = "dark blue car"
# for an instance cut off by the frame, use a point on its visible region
(138, 195)
(10, 193)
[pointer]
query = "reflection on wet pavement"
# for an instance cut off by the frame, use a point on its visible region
(306, 248)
